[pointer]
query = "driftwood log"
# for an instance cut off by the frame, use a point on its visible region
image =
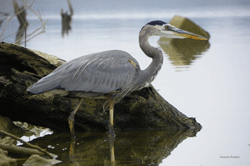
(21, 67)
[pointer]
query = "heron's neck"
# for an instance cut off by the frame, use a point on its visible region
(153, 53)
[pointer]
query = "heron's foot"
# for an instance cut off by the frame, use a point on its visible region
(111, 131)
(71, 126)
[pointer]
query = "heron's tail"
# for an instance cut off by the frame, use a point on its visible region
(45, 84)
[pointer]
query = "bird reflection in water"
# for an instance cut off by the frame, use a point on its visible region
(112, 150)
(133, 147)
(74, 160)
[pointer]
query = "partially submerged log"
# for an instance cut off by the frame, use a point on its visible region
(21, 67)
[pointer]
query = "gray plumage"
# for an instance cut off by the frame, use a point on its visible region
(102, 72)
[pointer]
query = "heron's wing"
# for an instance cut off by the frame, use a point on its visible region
(101, 72)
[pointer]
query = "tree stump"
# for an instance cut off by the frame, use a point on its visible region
(21, 67)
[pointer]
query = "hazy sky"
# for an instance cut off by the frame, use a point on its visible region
(110, 6)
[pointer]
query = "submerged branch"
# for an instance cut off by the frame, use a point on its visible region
(21, 149)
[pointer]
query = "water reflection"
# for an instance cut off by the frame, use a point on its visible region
(21, 16)
(128, 148)
(66, 19)
(182, 52)
(3, 16)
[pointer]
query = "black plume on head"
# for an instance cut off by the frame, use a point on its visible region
(156, 22)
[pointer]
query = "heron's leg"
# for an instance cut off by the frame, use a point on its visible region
(71, 118)
(111, 119)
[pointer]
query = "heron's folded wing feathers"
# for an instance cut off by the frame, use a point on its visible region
(100, 72)
(106, 72)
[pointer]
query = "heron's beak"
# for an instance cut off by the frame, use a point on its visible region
(186, 34)
(179, 33)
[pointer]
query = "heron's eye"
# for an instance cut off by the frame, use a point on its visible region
(167, 27)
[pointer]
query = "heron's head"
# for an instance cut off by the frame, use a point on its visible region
(163, 29)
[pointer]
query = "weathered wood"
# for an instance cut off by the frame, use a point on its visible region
(15, 149)
(21, 67)
(20, 150)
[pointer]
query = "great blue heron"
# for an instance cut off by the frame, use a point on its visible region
(112, 74)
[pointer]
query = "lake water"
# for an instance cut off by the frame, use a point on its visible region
(212, 86)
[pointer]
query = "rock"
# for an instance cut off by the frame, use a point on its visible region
(6, 161)
(4, 152)
(7, 125)
(36, 160)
